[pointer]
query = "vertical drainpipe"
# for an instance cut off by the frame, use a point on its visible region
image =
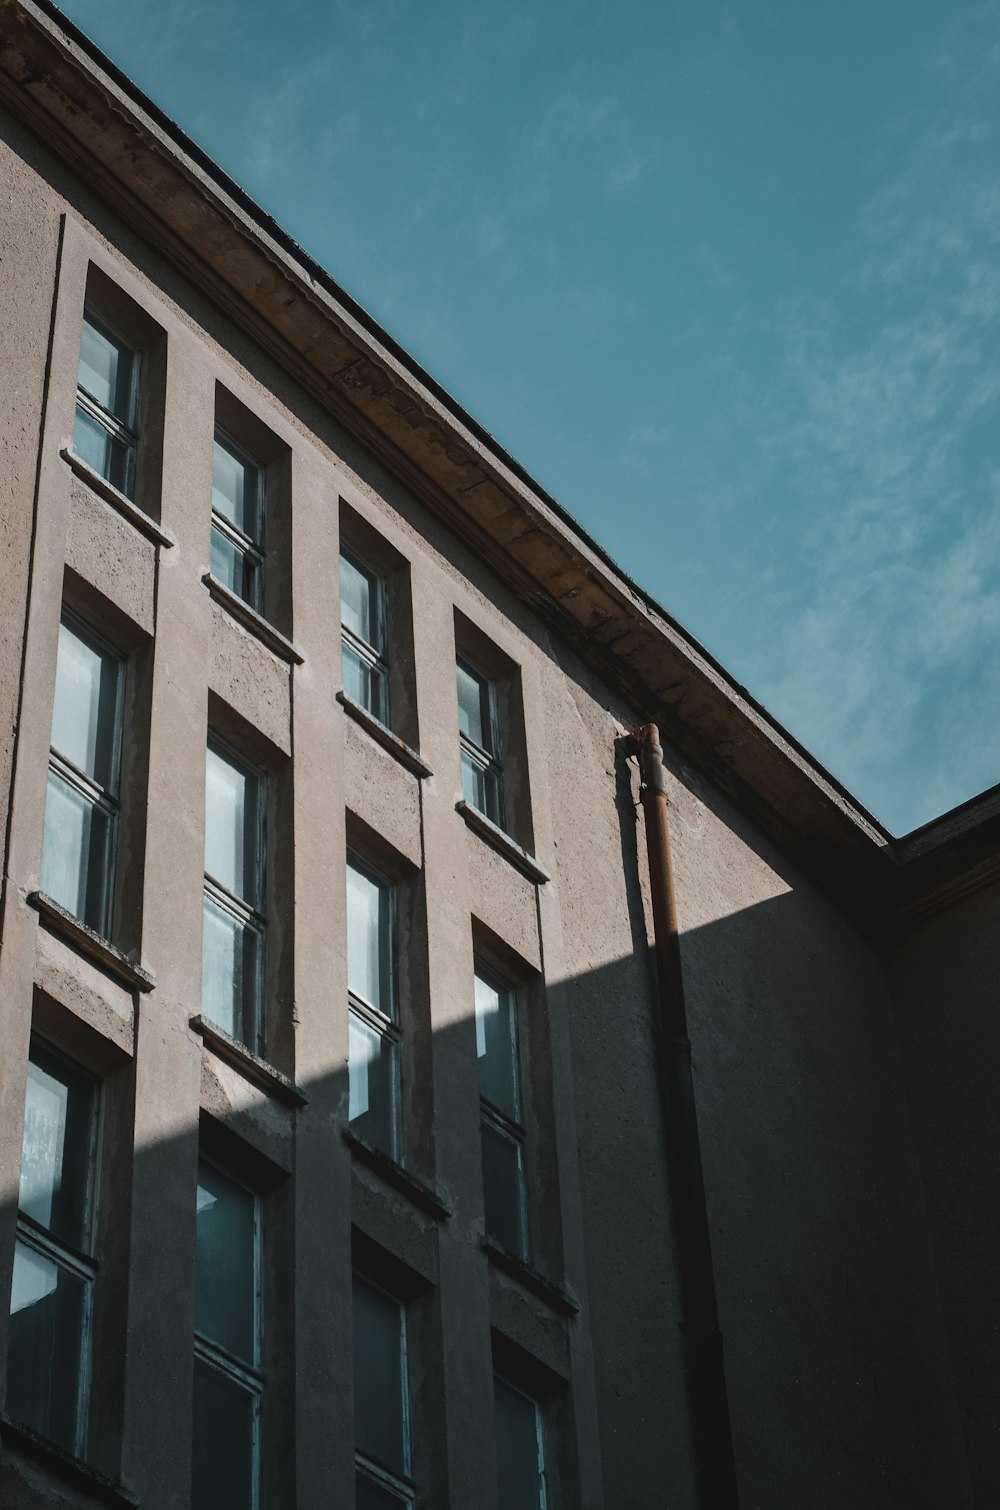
(703, 1339)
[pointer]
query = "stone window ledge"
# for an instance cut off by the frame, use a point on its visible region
(384, 736)
(109, 959)
(249, 1064)
(255, 622)
(558, 1297)
(395, 1175)
(72, 1470)
(503, 843)
(106, 490)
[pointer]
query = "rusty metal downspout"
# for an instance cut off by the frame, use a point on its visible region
(702, 1336)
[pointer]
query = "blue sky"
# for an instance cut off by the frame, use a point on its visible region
(725, 276)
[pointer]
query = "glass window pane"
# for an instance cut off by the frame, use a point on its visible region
(235, 568)
(46, 1366)
(366, 683)
(105, 371)
(370, 1495)
(372, 1070)
(85, 709)
(359, 603)
(236, 488)
(473, 707)
(496, 1046)
(503, 1190)
(231, 826)
(76, 854)
(369, 939)
(379, 1408)
(224, 1448)
(225, 1298)
(231, 973)
(519, 1457)
(57, 1148)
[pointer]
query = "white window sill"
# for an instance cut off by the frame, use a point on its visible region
(106, 490)
(503, 843)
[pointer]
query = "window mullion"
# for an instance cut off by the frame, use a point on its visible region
(64, 1254)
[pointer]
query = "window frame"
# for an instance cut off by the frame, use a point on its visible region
(251, 549)
(488, 761)
(125, 432)
(251, 1378)
(513, 1132)
(375, 657)
(386, 1025)
(33, 1235)
(251, 915)
(403, 1485)
(106, 799)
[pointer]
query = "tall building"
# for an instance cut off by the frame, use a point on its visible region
(370, 1122)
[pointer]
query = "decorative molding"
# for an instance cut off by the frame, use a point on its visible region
(383, 735)
(128, 510)
(104, 954)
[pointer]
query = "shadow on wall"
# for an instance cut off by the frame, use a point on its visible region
(839, 1387)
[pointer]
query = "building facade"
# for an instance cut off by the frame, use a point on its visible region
(338, 1155)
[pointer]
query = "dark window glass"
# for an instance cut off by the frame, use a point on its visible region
(81, 805)
(497, 1052)
(482, 775)
(381, 1398)
(232, 969)
(363, 637)
(48, 1377)
(107, 404)
(237, 521)
(520, 1455)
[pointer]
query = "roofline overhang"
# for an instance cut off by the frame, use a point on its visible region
(54, 79)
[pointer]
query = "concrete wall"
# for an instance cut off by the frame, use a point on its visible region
(946, 990)
(840, 1389)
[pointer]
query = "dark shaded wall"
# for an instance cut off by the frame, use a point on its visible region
(946, 993)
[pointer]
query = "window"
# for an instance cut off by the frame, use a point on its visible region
(228, 1384)
(107, 403)
(502, 1125)
(363, 636)
(520, 1449)
(232, 963)
(482, 772)
(373, 1020)
(238, 521)
(381, 1401)
(48, 1370)
(81, 805)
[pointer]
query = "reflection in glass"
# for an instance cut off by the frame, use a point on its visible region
(224, 1447)
(379, 1398)
(231, 969)
(106, 369)
(357, 601)
(109, 456)
(369, 939)
(520, 1460)
(362, 617)
(237, 522)
(225, 1308)
(85, 706)
(367, 683)
(57, 1148)
(496, 1045)
(232, 825)
(76, 853)
(473, 708)
(104, 430)
(372, 1070)
(48, 1306)
(503, 1189)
